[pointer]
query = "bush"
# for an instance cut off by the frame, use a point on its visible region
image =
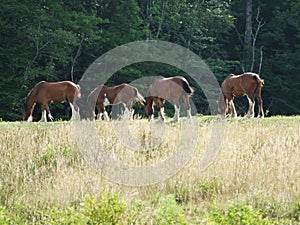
(107, 210)
(238, 214)
(169, 212)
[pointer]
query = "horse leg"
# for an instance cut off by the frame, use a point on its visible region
(75, 111)
(130, 110)
(226, 108)
(188, 107)
(176, 115)
(251, 101)
(160, 102)
(151, 115)
(106, 115)
(30, 118)
(232, 109)
(228, 111)
(131, 114)
(102, 111)
(44, 116)
(260, 106)
(45, 110)
(161, 113)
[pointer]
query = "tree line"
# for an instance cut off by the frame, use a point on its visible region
(58, 39)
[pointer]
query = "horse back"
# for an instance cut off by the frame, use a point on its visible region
(171, 88)
(56, 91)
(239, 85)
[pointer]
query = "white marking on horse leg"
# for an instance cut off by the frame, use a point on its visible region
(75, 114)
(151, 118)
(232, 109)
(99, 116)
(189, 114)
(30, 119)
(176, 115)
(44, 116)
(252, 109)
(106, 115)
(250, 113)
(162, 114)
(50, 116)
(131, 114)
(106, 101)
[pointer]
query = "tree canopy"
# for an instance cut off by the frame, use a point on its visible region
(57, 40)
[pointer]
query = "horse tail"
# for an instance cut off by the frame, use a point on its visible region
(260, 82)
(138, 97)
(187, 88)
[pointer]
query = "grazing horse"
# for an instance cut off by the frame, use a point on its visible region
(44, 92)
(249, 84)
(170, 89)
(103, 96)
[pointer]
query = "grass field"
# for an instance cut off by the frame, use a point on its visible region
(52, 173)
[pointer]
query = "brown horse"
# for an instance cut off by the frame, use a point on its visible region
(44, 92)
(249, 84)
(170, 89)
(103, 96)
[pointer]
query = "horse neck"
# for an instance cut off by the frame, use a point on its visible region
(29, 103)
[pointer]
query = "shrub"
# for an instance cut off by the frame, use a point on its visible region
(169, 212)
(238, 214)
(107, 210)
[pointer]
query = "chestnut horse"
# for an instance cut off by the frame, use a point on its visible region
(54, 92)
(249, 84)
(103, 96)
(170, 89)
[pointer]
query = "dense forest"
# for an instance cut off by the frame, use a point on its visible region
(58, 39)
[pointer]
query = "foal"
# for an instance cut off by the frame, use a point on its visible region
(249, 84)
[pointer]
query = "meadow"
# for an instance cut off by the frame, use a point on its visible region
(57, 173)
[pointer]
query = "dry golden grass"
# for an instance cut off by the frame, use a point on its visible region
(43, 163)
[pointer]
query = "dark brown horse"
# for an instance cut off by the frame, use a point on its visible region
(170, 89)
(44, 92)
(249, 84)
(103, 96)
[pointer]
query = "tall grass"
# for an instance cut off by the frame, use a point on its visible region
(46, 164)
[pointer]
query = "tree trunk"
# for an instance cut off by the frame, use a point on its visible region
(248, 31)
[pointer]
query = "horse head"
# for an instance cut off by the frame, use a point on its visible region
(149, 106)
(26, 113)
(221, 104)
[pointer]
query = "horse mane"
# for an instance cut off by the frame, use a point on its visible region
(33, 92)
